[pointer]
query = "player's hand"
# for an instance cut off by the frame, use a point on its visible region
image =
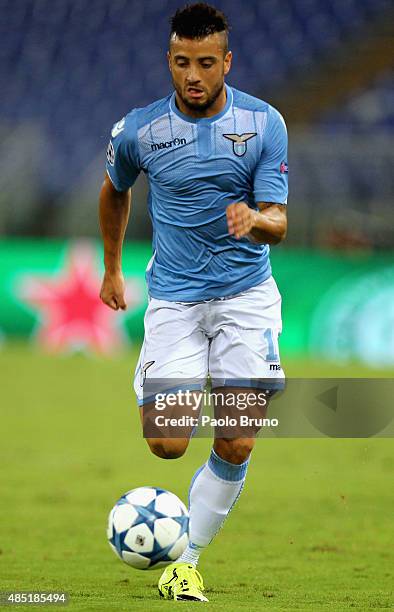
(112, 291)
(240, 219)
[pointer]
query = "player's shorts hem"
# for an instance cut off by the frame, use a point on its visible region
(269, 384)
(186, 387)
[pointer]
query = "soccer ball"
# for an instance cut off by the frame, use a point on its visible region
(148, 528)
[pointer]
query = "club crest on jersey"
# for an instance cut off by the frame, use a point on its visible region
(240, 142)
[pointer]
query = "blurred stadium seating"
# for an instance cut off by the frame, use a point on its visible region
(371, 109)
(70, 69)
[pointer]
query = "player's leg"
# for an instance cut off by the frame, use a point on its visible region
(169, 448)
(217, 485)
(241, 354)
(171, 442)
(174, 355)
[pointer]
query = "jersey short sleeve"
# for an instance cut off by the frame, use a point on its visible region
(271, 173)
(122, 154)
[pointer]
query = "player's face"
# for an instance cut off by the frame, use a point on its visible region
(198, 68)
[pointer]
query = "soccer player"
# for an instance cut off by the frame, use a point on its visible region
(216, 162)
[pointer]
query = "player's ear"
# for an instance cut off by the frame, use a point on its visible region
(169, 60)
(227, 62)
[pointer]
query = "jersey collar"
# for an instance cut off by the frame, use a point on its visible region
(229, 101)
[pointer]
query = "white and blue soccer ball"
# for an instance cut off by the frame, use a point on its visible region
(148, 528)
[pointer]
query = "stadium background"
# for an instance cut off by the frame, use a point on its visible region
(69, 70)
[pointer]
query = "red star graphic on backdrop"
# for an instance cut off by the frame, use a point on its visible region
(72, 314)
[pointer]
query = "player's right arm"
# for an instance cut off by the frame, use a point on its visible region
(115, 201)
(114, 213)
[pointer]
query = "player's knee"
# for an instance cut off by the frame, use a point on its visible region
(168, 448)
(234, 451)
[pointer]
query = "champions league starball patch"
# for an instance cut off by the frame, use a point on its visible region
(110, 153)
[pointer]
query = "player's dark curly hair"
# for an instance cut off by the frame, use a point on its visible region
(198, 21)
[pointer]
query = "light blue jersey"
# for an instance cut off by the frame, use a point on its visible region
(196, 168)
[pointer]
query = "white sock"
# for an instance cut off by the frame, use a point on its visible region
(214, 489)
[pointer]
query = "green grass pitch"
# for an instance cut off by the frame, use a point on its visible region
(313, 529)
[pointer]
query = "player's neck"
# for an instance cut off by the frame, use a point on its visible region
(213, 110)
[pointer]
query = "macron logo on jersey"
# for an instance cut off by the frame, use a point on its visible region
(177, 142)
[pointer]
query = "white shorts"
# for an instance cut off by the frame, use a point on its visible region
(234, 340)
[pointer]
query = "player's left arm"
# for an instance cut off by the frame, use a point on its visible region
(268, 224)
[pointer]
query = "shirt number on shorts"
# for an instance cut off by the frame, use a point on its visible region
(273, 354)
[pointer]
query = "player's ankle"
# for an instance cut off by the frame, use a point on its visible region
(191, 554)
